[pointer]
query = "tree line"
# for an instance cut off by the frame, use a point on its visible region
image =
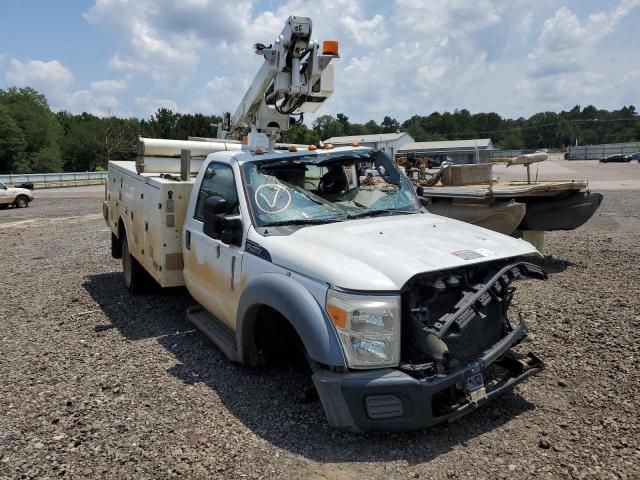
(34, 139)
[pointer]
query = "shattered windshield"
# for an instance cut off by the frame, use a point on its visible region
(327, 188)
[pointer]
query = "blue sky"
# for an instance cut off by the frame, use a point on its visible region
(402, 57)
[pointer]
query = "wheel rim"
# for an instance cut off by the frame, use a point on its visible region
(21, 202)
(126, 264)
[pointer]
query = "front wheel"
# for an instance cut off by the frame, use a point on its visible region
(21, 202)
(135, 277)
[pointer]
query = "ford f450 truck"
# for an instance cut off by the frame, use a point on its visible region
(404, 316)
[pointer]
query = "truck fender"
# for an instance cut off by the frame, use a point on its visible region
(297, 305)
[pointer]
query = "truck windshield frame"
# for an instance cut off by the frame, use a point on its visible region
(333, 187)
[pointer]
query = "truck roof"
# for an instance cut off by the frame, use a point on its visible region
(241, 157)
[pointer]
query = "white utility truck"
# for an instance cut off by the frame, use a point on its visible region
(16, 196)
(403, 315)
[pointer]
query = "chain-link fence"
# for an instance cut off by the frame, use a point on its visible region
(52, 180)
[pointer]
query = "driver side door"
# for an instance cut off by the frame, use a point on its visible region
(213, 269)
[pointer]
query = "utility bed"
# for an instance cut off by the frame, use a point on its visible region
(152, 208)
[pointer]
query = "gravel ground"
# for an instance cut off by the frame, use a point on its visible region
(95, 383)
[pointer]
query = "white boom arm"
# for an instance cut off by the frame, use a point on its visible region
(296, 78)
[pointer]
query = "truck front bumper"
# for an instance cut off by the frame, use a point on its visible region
(389, 399)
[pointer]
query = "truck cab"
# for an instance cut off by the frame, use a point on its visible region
(403, 315)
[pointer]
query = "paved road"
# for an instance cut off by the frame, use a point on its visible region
(606, 176)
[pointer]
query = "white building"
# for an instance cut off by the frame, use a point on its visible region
(459, 151)
(389, 143)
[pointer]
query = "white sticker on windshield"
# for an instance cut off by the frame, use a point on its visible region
(473, 254)
(272, 198)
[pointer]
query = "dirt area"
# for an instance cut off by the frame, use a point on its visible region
(95, 383)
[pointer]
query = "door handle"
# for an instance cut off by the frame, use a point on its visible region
(233, 271)
(187, 240)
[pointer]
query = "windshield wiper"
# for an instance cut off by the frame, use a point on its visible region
(373, 213)
(300, 221)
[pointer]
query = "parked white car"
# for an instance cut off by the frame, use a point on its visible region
(18, 197)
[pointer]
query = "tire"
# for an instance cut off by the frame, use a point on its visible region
(136, 279)
(21, 202)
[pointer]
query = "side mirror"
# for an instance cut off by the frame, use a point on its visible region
(216, 225)
(213, 212)
(420, 191)
(214, 205)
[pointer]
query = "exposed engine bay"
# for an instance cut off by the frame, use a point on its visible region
(452, 317)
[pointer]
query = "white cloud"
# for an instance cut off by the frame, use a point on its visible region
(565, 41)
(55, 80)
(165, 39)
(221, 94)
(90, 102)
(451, 17)
(149, 105)
(109, 86)
(396, 58)
(169, 59)
(37, 73)
(366, 32)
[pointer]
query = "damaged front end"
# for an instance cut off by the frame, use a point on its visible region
(453, 319)
(456, 353)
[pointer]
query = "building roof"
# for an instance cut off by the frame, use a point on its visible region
(481, 143)
(374, 137)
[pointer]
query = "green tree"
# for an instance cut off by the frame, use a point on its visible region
(114, 140)
(344, 121)
(542, 131)
(372, 127)
(300, 134)
(389, 125)
(166, 122)
(47, 159)
(326, 127)
(197, 125)
(12, 142)
(79, 144)
(40, 128)
(510, 140)
(357, 129)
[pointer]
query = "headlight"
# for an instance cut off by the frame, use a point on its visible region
(368, 327)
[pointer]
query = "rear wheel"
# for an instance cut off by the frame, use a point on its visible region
(135, 277)
(21, 202)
